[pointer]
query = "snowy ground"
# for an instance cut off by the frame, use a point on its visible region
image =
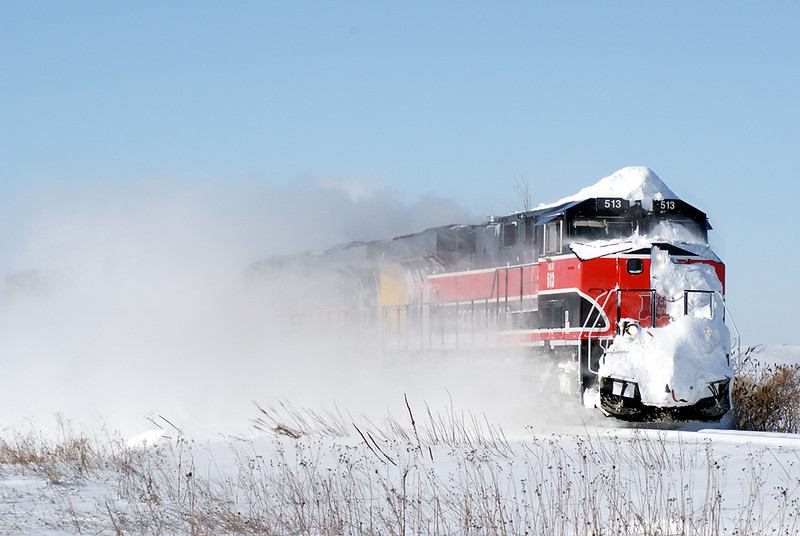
(443, 474)
(616, 481)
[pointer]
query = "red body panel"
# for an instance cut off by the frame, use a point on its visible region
(508, 282)
(593, 279)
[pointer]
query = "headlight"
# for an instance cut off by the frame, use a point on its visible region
(624, 389)
(629, 328)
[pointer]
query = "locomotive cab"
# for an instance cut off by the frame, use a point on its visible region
(616, 275)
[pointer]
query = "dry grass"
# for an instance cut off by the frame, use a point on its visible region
(766, 397)
(427, 429)
(69, 456)
(433, 475)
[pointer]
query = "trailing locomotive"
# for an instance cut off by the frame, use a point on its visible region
(618, 282)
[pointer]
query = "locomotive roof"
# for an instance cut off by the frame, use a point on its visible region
(549, 213)
(634, 184)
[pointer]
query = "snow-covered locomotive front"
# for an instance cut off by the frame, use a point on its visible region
(670, 357)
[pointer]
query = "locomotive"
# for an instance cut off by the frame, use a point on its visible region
(617, 283)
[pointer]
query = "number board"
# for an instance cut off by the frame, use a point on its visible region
(612, 204)
(665, 206)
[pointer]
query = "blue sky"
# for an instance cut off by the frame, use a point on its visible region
(449, 99)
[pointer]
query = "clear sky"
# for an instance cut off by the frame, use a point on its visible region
(449, 99)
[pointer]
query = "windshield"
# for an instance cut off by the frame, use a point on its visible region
(601, 228)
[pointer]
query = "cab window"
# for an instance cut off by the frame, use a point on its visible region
(552, 239)
(510, 235)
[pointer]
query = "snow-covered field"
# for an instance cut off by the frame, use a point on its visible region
(423, 473)
(608, 482)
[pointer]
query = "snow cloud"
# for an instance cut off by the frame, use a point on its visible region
(123, 304)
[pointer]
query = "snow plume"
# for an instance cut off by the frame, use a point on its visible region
(123, 304)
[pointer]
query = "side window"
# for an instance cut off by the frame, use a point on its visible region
(553, 237)
(528, 231)
(635, 266)
(509, 235)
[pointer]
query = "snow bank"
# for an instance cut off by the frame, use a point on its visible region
(145, 439)
(632, 183)
(776, 354)
(613, 481)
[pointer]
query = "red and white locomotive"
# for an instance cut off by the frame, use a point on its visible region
(618, 280)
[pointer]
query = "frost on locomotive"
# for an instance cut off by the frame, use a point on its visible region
(618, 282)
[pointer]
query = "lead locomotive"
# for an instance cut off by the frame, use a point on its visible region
(618, 282)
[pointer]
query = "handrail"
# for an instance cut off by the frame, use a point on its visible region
(735, 341)
(600, 310)
(495, 283)
(507, 269)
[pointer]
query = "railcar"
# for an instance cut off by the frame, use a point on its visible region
(621, 287)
